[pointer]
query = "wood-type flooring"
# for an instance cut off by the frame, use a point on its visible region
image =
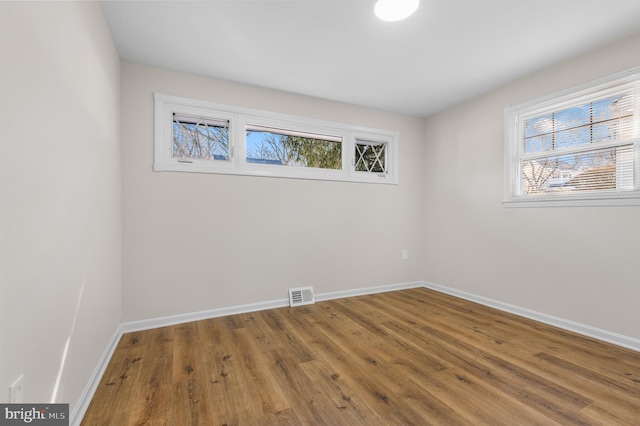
(408, 357)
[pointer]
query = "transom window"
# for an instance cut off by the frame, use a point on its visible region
(577, 148)
(371, 156)
(284, 147)
(199, 136)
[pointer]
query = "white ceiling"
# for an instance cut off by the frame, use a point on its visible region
(448, 51)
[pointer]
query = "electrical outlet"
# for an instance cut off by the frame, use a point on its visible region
(405, 254)
(15, 390)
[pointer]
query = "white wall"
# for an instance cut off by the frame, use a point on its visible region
(579, 263)
(60, 196)
(202, 241)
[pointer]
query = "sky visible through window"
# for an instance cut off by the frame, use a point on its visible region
(288, 149)
(580, 126)
(588, 123)
(198, 138)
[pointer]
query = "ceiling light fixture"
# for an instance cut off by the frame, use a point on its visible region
(395, 10)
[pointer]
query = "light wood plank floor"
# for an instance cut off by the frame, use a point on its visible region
(400, 358)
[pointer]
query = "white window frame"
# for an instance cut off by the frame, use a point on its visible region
(514, 119)
(239, 118)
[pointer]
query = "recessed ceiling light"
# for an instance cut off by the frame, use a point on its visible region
(395, 10)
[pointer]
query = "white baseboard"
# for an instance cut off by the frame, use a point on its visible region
(76, 415)
(367, 290)
(585, 330)
(130, 326)
(147, 324)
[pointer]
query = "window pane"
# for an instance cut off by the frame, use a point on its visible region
(538, 126)
(601, 170)
(291, 148)
(605, 109)
(607, 131)
(572, 137)
(572, 117)
(200, 138)
(539, 134)
(602, 120)
(538, 143)
(371, 156)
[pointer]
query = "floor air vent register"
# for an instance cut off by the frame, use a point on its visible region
(301, 296)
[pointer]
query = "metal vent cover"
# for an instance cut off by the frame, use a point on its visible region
(301, 296)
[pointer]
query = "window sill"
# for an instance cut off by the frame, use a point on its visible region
(629, 200)
(293, 173)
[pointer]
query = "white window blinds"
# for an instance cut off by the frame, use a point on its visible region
(580, 144)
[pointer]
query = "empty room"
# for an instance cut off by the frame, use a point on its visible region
(320, 212)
